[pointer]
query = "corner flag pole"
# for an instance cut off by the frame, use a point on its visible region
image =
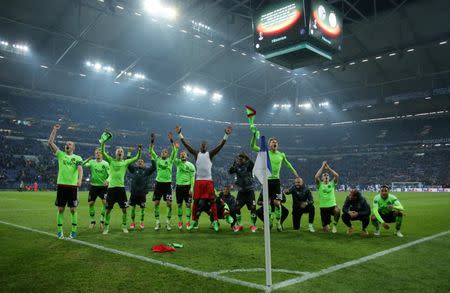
(267, 207)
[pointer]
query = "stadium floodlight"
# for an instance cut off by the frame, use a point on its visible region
(324, 104)
(369, 106)
(392, 54)
(364, 60)
(216, 97)
(210, 41)
(396, 102)
(139, 76)
(88, 64)
(183, 31)
(325, 69)
(305, 105)
(234, 50)
(44, 66)
(337, 66)
(155, 7)
(410, 50)
(120, 7)
(262, 61)
(352, 63)
(82, 75)
(378, 57)
(304, 74)
(97, 66)
(344, 110)
(271, 64)
(276, 106)
(20, 47)
(428, 98)
(1, 57)
(285, 106)
(197, 36)
(137, 14)
(142, 88)
(187, 88)
(222, 45)
(243, 54)
(315, 71)
(199, 91)
(442, 42)
(4, 43)
(116, 82)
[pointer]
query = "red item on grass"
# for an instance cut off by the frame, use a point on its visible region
(162, 248)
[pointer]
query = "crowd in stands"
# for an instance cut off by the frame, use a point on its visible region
(416, 150)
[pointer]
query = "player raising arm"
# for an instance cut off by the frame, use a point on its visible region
(70, 176)
(327, 197)
(204, 185)
(116, 184)
(277, 159)
(185, 178)
(99, 170)
(163, 187)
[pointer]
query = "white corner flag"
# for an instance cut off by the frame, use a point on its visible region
(262, 170)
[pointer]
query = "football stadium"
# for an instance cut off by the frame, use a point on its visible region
(225, 145)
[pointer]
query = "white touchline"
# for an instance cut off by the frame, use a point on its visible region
(148, 259)
(355, 262)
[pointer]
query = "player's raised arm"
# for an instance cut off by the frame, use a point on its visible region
(217, 149)
(105, 154)
(317, 176)
(175, 147)
(136, 157)
(86, 163)
(335, 174)
(253, 143)
(151, 149)
(289, 165)
(185, 143)
(51, 139)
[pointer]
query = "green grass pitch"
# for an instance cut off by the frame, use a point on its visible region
(31, 261)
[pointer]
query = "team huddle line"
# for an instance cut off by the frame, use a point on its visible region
(195, 187)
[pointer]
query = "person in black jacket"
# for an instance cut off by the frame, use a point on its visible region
(243, 168)
(302, 203)
(140, 182)
(356, 208)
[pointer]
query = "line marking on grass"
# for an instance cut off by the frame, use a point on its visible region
(148, 259)
(355, 262)
(260, 270)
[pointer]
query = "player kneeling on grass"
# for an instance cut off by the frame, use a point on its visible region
(70, 175)
(327, 197)
(140, 180)
(356, 208)
(387, 209)
(226, 206)
(243, 168)
(116, 181)
(99, 170)
(284, 210)
(302, 203)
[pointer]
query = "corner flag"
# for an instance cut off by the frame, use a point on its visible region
(262, 170)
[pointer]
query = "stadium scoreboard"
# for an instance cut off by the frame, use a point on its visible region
(296, 33)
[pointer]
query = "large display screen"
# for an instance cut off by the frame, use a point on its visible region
(278, 24)
(326, 23)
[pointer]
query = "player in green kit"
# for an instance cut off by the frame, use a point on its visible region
(99, 170)
(327, 197)
(387, 209)
(185, 178)
(116, 181)
(163, 187)
(70, 176)
(277, 159)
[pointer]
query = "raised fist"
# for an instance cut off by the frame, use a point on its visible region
(178, 129)
(140, 146)
(228, 130)
(56, 126)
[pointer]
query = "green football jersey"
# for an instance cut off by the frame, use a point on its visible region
(381, 205)
(99, 171)
(185, 173)
(327, 197)
(67, 168)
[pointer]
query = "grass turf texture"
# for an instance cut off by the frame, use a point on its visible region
(35, 262)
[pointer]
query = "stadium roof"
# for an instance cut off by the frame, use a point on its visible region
(394, 59)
